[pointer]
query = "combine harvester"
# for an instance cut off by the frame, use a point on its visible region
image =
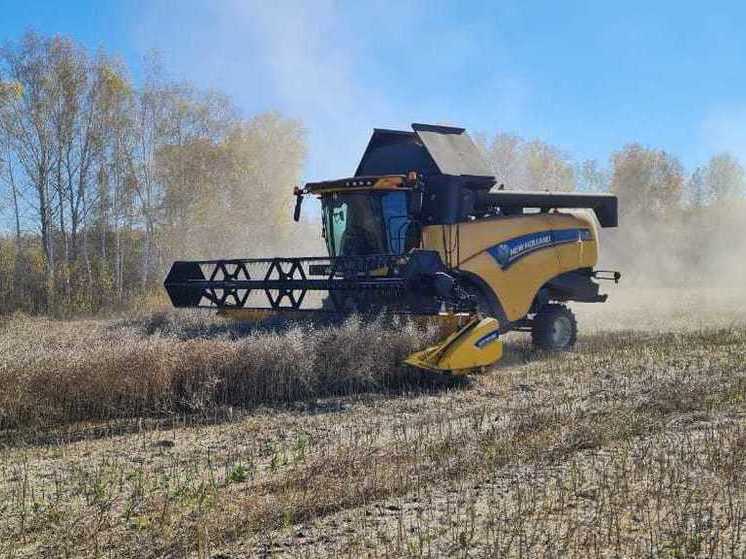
(419, 231)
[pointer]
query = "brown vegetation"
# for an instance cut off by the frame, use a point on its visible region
(54, 372)
(104, 181)
(633, 445)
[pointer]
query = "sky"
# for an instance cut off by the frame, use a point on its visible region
(588, 77)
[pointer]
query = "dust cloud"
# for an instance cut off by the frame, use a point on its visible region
(683, 273)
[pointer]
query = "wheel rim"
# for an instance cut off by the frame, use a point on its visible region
(561, 332)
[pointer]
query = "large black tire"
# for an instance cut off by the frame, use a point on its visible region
(554, 328)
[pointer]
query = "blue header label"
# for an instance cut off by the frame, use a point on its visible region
(487, 339)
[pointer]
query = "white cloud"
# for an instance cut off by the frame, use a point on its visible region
(311, 58)
(342, 69)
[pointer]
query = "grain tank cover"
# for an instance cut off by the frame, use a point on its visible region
(452, 150)
(430, 150)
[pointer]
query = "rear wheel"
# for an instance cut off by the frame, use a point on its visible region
(554, 328)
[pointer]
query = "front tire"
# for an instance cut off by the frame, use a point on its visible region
(554, 328)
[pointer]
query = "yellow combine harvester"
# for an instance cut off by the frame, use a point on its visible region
(419, 230)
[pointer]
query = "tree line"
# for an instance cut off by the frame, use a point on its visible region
(675, 228)
(645, 179)
(104, 181)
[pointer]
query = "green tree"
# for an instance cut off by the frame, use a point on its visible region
(107, 181)
(696, 189)
(591, 177)
(534, 165)
(649, 182)
(724, 178)
(548, 168)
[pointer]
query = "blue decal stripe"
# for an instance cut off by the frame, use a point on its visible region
(566, 235)
(487, 339)
(507, 252)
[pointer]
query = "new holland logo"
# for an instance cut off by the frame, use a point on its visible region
(508, 252)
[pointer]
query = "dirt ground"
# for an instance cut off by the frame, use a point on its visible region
(633, 445)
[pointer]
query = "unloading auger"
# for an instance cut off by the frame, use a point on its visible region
(418, 231)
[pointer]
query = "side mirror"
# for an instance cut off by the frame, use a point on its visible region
(298, 203)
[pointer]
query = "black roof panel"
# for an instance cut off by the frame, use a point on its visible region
(395, 152)
(429, 150)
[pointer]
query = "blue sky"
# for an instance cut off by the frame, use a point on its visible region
(586, 76)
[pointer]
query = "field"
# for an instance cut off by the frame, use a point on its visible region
(175, 435)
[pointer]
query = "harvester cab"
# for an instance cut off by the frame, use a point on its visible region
(420, 230)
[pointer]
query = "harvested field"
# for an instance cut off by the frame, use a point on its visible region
(632, 445)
